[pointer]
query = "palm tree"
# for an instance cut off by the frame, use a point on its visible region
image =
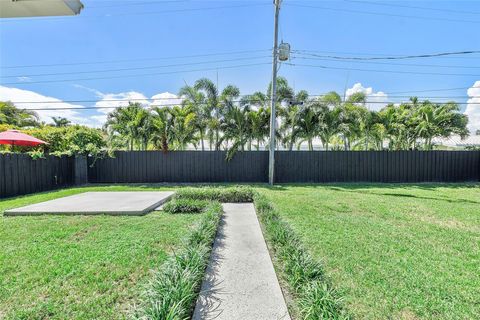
(439, 120)
(196, 100)
(290, 117)
(60, 121)
(259, 122)
(11, 115)
(394, 120)
(217, 104)
(349, 113)
(308, 125)
(258, 117)
(371, 127)
(161, 137)
(183, 127)
(236, 128)
(131, 123)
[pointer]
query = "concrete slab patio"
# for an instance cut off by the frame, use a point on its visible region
(94, 203)
(240, 282)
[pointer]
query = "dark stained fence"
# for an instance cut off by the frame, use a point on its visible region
(179, 166)
(377, 166)
(291, 167)
(20, 174)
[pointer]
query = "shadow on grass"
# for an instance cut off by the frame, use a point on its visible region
(386, 189)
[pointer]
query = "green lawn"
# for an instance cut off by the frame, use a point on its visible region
(80, 267)
(393, 251)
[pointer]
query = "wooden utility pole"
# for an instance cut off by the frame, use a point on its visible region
(271, 159)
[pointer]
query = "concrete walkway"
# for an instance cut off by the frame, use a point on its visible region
(240, 282)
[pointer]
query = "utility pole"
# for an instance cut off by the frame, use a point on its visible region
(271, 159)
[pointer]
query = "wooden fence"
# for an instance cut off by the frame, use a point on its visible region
(291, 166)
(20, 174)
(179, 166)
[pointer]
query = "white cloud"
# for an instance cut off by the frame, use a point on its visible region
(24, 79)
(121, 99)
(379, 99)
(24, 98)
(473, 108)
(111, 100)
(166, 99)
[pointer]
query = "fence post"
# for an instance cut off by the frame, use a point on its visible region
(80, 169)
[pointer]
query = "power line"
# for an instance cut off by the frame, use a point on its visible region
(314, 57)
(133, 68)
(137, 75)
(135, 60)
(152, 100)
(382, 71)
(180, 98)
(432, 90)
(429, 55)
(177, 104)
(412, 7)
(376, 54)
(380, 14)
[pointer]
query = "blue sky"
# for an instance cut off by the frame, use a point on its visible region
(145, 35)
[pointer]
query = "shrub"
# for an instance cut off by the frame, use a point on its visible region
(228, 194)
(185, 205)
(173, 291)
(315, 296)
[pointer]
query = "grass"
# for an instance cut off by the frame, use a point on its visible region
(81, 267)
(185, 205)
(314, 296)
(219, 193)
(392, 251)
(173, 291)
(366, 251)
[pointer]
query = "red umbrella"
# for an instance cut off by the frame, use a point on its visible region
(16, 138)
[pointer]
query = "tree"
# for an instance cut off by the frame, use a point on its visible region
(196, 100)
(439, 120)
(11, 115)
(74, 139)
(217, 104)
(308, 125)
(60, 121)
(372, 129)
(183, 129)
(328, 108)
(258, 116)
(236, 128)
(290, 114)
(161, 128)
(259, 122)
(349, 114)
(131, 124)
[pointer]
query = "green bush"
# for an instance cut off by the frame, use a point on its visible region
(227, 194)
(173, 291)
(315, 296)
(185, 205)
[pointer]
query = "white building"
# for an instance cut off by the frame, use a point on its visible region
(457, 142)
(38, 8)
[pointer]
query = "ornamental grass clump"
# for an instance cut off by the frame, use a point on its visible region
(173, 291)
(185, 205)
(221, 194)
(314, 295)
